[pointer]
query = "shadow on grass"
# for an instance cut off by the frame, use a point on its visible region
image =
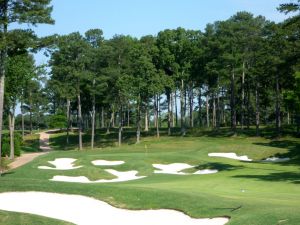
(293, 148)
(103, 139)
(31, 145)
(218, 166)
(7, 173)
(266, 132)
(292, 177)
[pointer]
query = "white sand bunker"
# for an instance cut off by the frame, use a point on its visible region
(107, 163)
(175, 168)
(206, 171)
(92, 211)
(61, 164)
(230, 156)
(275, 159)
(121, 177)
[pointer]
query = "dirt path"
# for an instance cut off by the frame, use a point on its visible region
(44, 141)
(23, 159)
(27, 157)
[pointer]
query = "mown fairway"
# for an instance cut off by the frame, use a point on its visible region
(248, 192)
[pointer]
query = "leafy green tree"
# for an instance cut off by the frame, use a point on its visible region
(23, 11)
(19, 70)
(96, 81)
(69, 68)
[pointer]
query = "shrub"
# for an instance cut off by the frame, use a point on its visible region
(57, 121)
(6, 144)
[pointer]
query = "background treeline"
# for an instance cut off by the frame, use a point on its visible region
(240, 72)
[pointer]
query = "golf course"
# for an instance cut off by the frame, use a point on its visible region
(246, 192)
(150, 112)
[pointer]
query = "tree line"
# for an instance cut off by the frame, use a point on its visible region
(240, 72)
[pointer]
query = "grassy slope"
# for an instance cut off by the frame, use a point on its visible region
(31, 143)
(271, 196)
(12, 218)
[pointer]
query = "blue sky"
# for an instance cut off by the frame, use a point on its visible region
(143, 17)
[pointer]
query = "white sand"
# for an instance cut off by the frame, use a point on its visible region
(61, 164)
(83, 210)
(206, 171)
(121, 177)
(275, 159)
(107, 163)
(230, 155)
(173, 168)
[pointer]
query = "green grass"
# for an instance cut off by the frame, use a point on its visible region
(272, 190)
(12, 218)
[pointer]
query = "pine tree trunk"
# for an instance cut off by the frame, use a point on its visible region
(232, 103)
(120, 127)
(22, 115)
(199, 106)
(1, 109)
(102, 117)
(243, 98)
(93, 120)
(79, 122)
(207, 109)
(128, 115)
(298, 124)
(30, 112)
(11, 121)
(155, 110)
(146, 117)
(3, 56)
(68, 120)
(257, 110)
(218, 116)
(191, 102)
(214, 110)
(168, 93)
(108, 123)
(138, 124)
(277, 110)
(113, 118)
(156, 116)
(172, 110)
(288, 118)
(248, 106)
(176, 111)
(182, 109)
(185, 106)
(223, 108)
(159, 111)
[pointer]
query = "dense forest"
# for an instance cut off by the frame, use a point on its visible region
(237, 73)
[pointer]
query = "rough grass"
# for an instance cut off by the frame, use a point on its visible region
(31, 143)
(250, 193)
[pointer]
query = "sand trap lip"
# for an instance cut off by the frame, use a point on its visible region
(121, 177)
(83, 210)
(61, 164)
(275, 159)
(230, 156)
(173, 168)
(206, 171)
(107, 163)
